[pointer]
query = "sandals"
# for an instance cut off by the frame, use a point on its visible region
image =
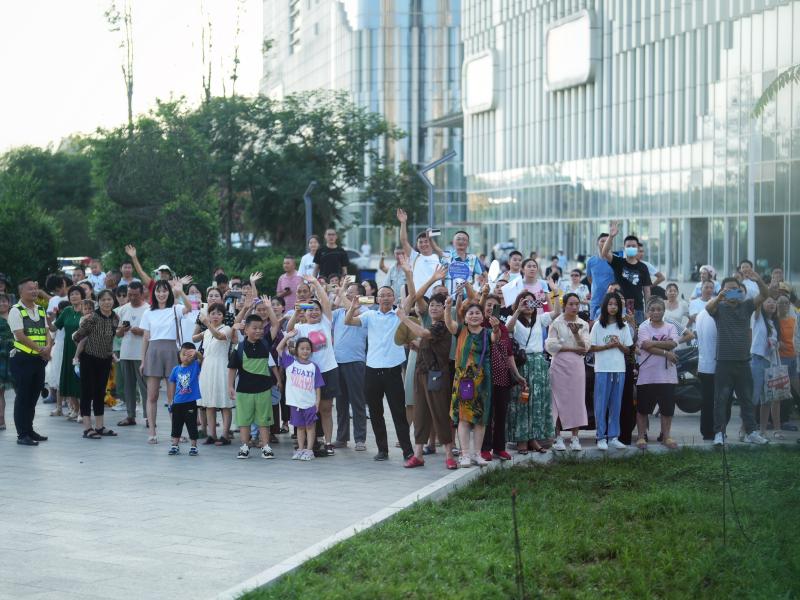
(152, 439)
(641, 444)
(778, 435)
(670, 443)
(283, 430)
(91, 434)
(427, 450)
(57, 413)
(127, 422)
(536, 447)
(210, 441)
(223, 441)
(522, 449)
(106, 432)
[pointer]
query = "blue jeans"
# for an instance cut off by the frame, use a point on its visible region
(758, 364)
(607, 401)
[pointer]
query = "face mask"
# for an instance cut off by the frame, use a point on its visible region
(734, 295)
(631, 252)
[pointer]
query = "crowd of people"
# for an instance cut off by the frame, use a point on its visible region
(479, 362)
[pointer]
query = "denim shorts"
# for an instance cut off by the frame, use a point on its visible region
(758, 366)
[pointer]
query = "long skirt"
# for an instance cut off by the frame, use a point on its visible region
(533, 420)
(568, 384)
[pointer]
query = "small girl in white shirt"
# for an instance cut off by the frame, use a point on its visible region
(302, 389)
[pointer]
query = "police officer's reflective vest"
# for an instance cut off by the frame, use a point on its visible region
(35, 330)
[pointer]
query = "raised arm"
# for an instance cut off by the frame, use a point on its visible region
(512, 321)
(130, 250)
(416, 329)
(403, 218)
(274, 321)
(351, 318)
(322, 295)
(177, 289)
(613, 230)
(439, 252)
(452, 326)
(285, 341)
(763, 290)
(411, 294)
(382, 264)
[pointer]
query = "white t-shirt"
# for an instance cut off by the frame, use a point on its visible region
(131, 347)
(535, 338)
(612, 360)
(321, 343)
(751, 287)
(161, 322)
(423, 267)
(705, 330)
(302, 381)
(52, 305)
(306, 265)
(697, 306)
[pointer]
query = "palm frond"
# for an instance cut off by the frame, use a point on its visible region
(789, 76)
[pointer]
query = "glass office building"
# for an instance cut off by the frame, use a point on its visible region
(577, 112)
(400, 58)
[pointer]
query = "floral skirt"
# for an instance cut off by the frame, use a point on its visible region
(533, 420)
(476, 410)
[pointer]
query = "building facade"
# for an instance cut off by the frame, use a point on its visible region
(577, 112)
(400, 58)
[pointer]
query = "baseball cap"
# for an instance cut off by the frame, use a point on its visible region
(163, 268)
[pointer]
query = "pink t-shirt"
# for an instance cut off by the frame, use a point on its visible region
(655, 368)
(291, 282)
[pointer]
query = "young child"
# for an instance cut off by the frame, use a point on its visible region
(611, 341)
(183, 392)
(252, 362)
(303, 384)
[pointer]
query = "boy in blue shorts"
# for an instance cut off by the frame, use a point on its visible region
(183, 392)
(257, 373)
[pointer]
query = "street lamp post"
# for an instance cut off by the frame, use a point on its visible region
(429, 184)
(307, 201)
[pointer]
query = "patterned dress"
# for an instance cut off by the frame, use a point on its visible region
(69, 385)
(469, 349)
(533, 420)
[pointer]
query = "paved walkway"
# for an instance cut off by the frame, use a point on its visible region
(119, 518)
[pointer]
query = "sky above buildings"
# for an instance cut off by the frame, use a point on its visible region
(60, 67)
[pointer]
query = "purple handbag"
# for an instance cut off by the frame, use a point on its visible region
(466, 385)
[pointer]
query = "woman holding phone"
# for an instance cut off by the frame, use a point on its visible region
(530, 419)
(568, 342)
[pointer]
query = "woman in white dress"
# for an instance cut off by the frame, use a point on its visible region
(214, 374)
(307, 262)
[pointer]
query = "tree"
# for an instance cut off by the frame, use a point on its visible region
(319, 136)
(390, 190)
(789, 76)
(185, 235)
(122, 23)
(62, 187)
(30, 237)
(136, 175)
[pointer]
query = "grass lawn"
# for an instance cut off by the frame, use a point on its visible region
(645, 527)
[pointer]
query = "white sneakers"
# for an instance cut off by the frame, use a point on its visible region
(615, 443)
(464, 461)
(266, 452)
(755, 438)
(559, 444)
(575, 444)
(244, 451)
(479, 460)
(602, 444)
(719, 438)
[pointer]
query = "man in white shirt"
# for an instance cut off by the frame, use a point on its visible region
(130, 353)
(424, 259)
(745, 269)
(31, 352)
(462, 267)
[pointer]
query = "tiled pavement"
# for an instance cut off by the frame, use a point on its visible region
(118, 518)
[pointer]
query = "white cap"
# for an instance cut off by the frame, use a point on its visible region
(163, 268)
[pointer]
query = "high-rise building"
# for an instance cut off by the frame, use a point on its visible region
(577, 112)
(400, 58)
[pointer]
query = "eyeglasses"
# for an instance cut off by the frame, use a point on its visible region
(574, 275)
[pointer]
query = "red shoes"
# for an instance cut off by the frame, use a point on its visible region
(413, 462)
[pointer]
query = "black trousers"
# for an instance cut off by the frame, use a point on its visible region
(389, 382)
(495, 436)
(184, 413)
(707, 407)
(94, 377)
(27, 371)
(627, 411)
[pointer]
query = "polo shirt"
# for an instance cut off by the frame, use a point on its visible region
(733, 330)
(382, 352)
(350, 342)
